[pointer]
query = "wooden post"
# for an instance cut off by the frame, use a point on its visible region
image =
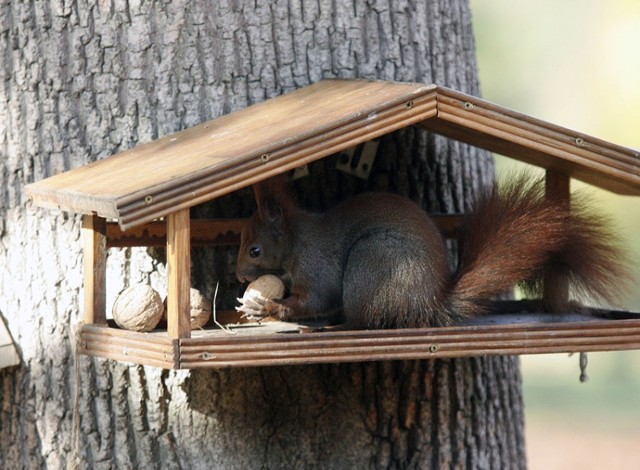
(179, 274)
(94, 240)
(555, 288)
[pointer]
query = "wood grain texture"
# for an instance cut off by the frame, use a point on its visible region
(486, 125)
(236, 150)
(249, 145)
(178, 274)
(215, 232)
(502, 333)
(94, 239)
(556, 288)
(513, 327)
(220, 232)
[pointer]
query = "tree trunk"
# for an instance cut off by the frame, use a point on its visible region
(83, 80)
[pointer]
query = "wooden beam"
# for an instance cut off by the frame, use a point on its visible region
(178, 274)
(94, 241)
(512, 327)
(515, 135)
(222, 232)
(556, 288)
(213, 232)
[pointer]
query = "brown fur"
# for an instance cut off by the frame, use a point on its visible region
(514, 233)
(377, 260)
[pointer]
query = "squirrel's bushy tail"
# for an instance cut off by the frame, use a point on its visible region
(515, 233)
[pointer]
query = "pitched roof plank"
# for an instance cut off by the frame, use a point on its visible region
(537, 142)
(236, 150)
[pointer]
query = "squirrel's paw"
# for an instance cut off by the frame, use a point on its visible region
(257, 308)
(252, 308)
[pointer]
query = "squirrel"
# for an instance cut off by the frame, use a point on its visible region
(378, 260)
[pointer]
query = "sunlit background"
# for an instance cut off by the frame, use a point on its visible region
(575, 63)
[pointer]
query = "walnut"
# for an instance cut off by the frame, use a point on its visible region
(258, 292)
(200, 309)
(138, 308)
(269, 287)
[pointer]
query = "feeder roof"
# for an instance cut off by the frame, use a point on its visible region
(239, 149)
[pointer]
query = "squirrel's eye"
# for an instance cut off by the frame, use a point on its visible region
(254, 251)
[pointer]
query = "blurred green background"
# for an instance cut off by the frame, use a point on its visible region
(575, 63)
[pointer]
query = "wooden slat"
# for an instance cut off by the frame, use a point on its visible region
(216, 232)
(140, 352)
(224, 179)
(157, 337)
(140, 343)
(537, 142)
(540, 135)
(232, 151)
(318, 345)
(95, 268)
(521, 333)
(242, 148)
(153, 349)
(453, 103)
(102, 351)
(325, 347)
(470, 333)
(178, 274)
(392, 356)
(221, 232)
(556, 287)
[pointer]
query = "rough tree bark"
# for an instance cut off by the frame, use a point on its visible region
(82, 80)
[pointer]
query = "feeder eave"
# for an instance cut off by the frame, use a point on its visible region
(242, 148)
(236, 150)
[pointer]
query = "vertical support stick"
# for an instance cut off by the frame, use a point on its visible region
(179, 274)
(555, 288)
(94, 241)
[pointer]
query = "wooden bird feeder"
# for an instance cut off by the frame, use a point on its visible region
(149, 190)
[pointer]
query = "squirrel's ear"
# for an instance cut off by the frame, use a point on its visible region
(273, 199)
(272, 212)
(269, 208)
(258, 193)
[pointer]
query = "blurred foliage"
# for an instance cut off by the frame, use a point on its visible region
(573, 63)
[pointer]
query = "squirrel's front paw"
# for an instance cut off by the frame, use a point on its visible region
(257, 304)
(259, 308)
(252, 308)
